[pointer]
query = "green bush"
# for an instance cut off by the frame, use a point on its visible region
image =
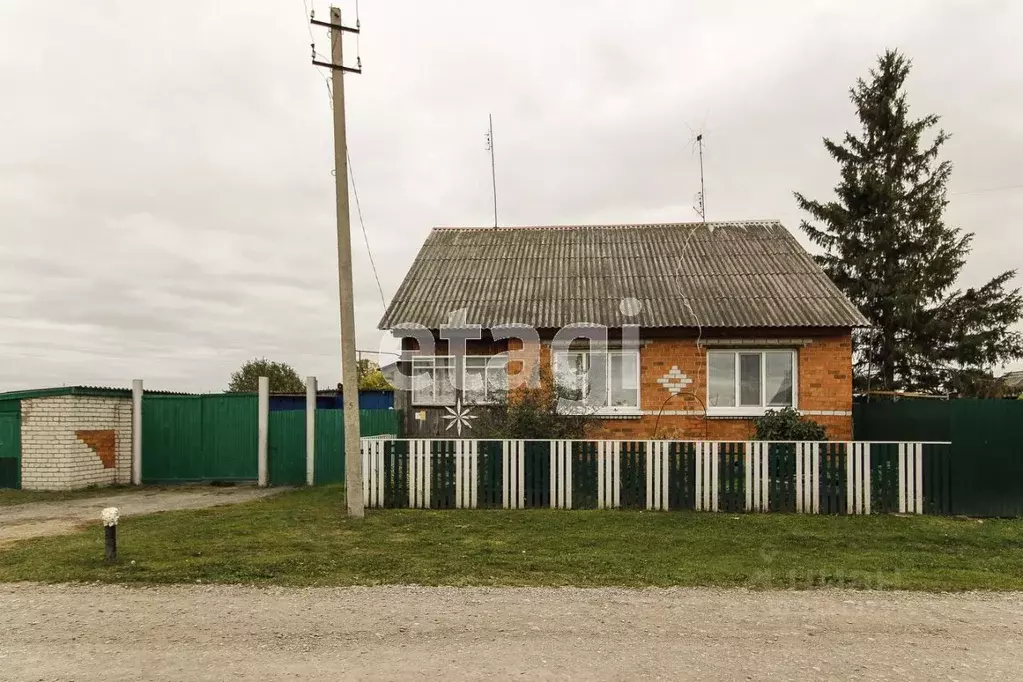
(788, 424)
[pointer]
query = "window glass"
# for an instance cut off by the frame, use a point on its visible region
(422, 384)
(497, 377)
(433, 380)
(486, 378)
(571, 368)
(778, 378)
(721, 379)
(475, 388)
(600, 379)
(624, 380)
(444, 380)
(749, 379)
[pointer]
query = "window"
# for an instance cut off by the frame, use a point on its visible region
(433, 380)
(607, 381)
(750, 382)
(485, 378)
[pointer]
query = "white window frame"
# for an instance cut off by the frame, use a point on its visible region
(489, 362)
(607, 408)
(418, 362)
(751, 411)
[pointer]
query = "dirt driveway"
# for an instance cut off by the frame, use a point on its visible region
(222, 632)
(33, 519)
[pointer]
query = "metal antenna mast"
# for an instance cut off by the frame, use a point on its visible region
(701, 198)
(703, 192)
(493, 166)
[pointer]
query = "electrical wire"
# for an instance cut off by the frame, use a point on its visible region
(365, 235)
(348, 155)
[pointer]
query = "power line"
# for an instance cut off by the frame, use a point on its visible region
(362, 224)
(351, 172)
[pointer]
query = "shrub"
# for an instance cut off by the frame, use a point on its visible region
(788, 424)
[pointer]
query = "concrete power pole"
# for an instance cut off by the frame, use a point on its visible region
(349, 369)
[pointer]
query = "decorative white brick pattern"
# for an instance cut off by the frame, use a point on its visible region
(675, 380)
(54, 458)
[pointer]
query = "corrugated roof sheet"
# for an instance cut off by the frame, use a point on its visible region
(95, 391)
(732, 274)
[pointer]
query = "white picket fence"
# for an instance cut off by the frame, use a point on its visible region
(707, 481)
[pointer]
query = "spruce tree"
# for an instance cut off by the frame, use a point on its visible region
(888, 248)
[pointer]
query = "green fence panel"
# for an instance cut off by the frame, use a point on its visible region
(987, 457)
(731, 477)
(584, 474)
(781, 471)
(286, 447)
(632, 460)
(536, 470)
(490, 477)
(906, 420)
(10, 449)
(230, 437)
(981, 474)
(199, 438)
(682, 476)
(884, 478)
(330, 447)
(442, 474)
(832, 478)
(396, 492)
(379, 423)
(937, 478)
(330, 438)
(172, 440)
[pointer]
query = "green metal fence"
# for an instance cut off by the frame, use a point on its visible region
(215, 438)
(286, 447)
(287, 443)
(199, 438)
(981, 474)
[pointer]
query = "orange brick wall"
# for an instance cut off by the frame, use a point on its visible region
(825, 382)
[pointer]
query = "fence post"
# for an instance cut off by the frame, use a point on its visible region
(310, 431)
(136, 432)
(263, 429)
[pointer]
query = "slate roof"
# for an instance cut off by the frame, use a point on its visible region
(727, 274)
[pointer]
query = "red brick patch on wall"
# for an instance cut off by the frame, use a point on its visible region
(103, 443)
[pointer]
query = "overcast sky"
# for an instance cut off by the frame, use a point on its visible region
(166, 199)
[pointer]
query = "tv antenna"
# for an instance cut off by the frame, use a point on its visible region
(493, 166)
(701, 197)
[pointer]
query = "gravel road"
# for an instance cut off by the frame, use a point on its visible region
(221, 632)
(33, 519)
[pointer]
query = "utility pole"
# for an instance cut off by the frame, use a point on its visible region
(493, 166)
(349, 369)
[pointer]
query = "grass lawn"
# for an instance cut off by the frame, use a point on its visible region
(11, 497)
(301, 538)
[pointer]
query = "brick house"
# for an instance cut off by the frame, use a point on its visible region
(685, 331)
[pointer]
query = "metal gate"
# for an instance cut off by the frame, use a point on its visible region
(10, 449)
(199, 438)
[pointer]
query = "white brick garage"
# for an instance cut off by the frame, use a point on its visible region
(74, 438)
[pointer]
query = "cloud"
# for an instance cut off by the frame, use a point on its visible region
(166, 195)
